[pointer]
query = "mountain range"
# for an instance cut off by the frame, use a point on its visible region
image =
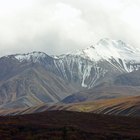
(109, 69)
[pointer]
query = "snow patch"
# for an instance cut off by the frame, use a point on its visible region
(34, 56)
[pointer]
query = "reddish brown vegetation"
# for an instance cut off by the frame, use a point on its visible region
(61, 125)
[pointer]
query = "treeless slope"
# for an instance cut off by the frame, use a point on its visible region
(103, 91)
(69, 126)
(119, 106)
(126, 106)
(32, 87)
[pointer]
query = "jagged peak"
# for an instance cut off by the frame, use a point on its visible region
(32, 56)
(105, 49)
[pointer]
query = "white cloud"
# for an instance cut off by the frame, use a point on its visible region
(58, 26)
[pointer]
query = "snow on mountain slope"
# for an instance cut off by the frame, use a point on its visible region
(79, 71)
(90, 66)
(34, 56)
(118, 52)
(108, 49)
(104, 60)
(105, 49)
(52, 78)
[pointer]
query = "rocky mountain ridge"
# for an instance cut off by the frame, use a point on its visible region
(34, 78)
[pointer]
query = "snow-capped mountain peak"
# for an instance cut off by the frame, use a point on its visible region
(86, 67)
(105, 49)
(108, 49)
(34, 56)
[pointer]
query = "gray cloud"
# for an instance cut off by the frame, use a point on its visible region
(59, 26)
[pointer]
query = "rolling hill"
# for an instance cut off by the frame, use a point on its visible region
(69, 126)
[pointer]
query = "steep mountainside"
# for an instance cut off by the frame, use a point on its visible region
(29, 84)
(91, 66)
(129, 79)
(35, 78)
(98, 63)
(102, 92)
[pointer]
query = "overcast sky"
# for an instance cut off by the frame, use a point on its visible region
(59, 26)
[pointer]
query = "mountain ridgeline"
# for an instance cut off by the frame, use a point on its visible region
(36, 78)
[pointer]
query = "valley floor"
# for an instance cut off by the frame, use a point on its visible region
(64, 125)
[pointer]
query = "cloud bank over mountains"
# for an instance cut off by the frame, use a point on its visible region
(59, 26)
